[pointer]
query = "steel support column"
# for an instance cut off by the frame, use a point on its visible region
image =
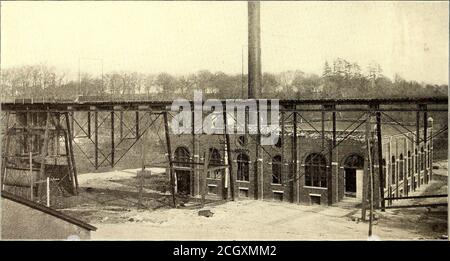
(96, 139)
(169, 152)
(112, 139)
(418, 159)
(295, 174)
(228, 151)
(380, 160)
(425, 143)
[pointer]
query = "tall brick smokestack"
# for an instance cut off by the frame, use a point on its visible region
(254, 50)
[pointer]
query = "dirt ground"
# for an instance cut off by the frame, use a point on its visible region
(110, 201)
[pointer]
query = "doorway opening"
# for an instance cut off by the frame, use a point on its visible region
(353, 171)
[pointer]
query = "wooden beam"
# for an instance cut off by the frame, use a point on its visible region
(420, 205)
(283, 168)
(418, 147)
(228, 151)
(371, 183)
(421, 196)
(366, 172)
(169, 152)
(44, 153)
(5, 153)
(295, 174)
(121, 124)
(258, 158)
(204, 175)
(323, 129)
(72, 158)
(89, 124)
(194, 177)
(332, 172)
(112, 139)
(380, 160)
(68, 154)
(96, 139)
(425, 143)
(137, 123)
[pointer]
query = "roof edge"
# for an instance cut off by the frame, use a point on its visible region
(47, 210)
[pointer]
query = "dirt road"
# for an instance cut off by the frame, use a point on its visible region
(108, 201)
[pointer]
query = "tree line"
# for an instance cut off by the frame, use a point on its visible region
(339, 79)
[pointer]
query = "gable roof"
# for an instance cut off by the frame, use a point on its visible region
(47, 210)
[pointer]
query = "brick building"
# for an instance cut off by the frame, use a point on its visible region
(406, 164)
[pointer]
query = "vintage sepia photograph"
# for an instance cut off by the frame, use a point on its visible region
(224, 120)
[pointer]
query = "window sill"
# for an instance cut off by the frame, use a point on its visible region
(243, 181)
(313, 187)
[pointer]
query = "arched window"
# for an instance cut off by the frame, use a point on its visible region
(316, 170)
(400, 167)
(276, 169)
(393, 170)
(243, 163)
(354, 162)
(384, 173)
(182, 155)
(215, 160)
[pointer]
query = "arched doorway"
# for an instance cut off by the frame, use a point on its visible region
(353, 171)
(183, 176)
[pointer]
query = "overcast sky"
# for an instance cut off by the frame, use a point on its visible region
(407, 38)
